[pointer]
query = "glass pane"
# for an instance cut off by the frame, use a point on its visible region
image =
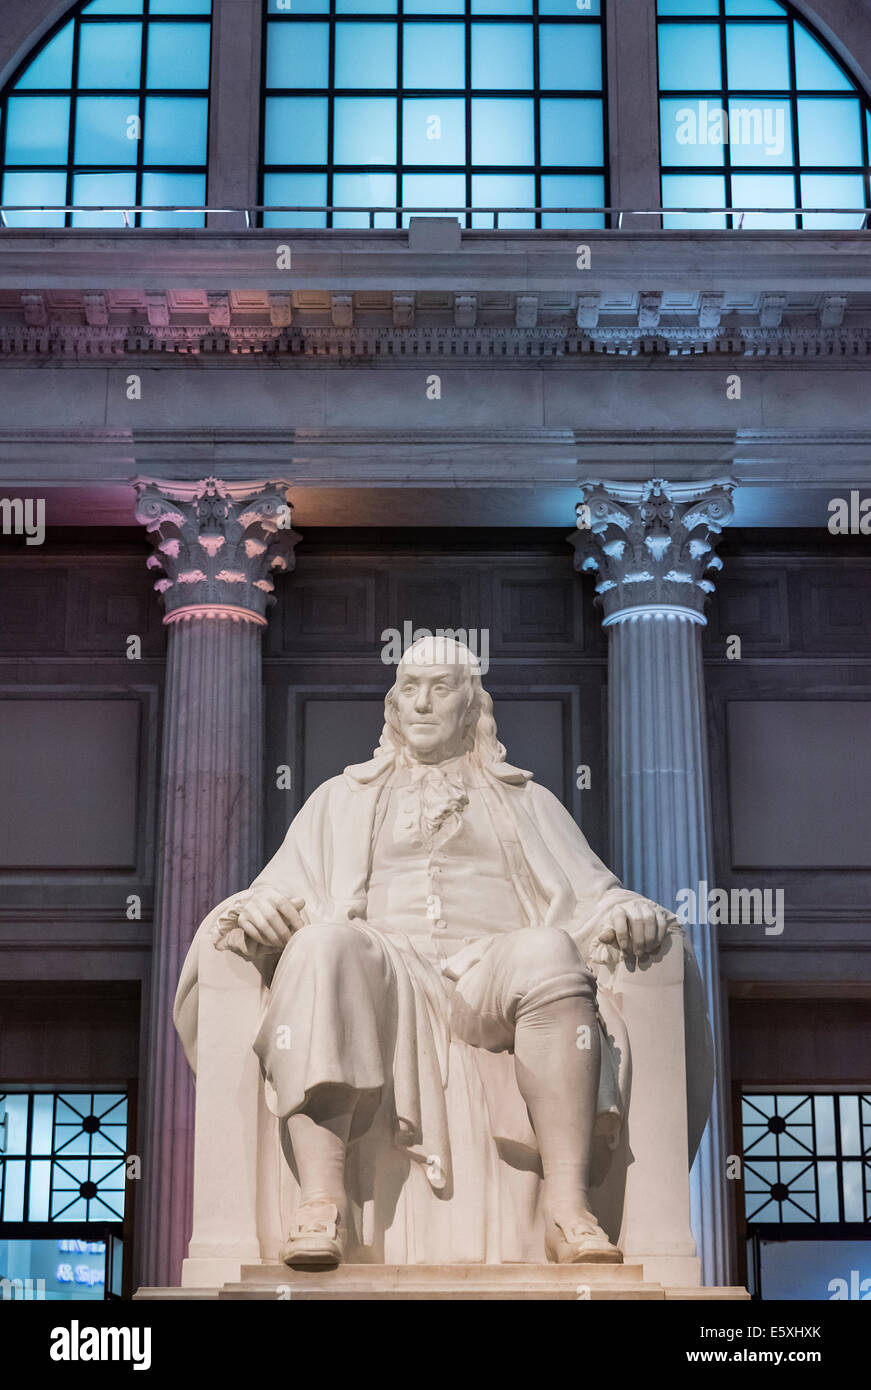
(824, 1110)
(694, 191)
(16, 1115)
(37, 189)
(37, 130)
(102, 124)
(364, 191)
(851, 1143)
(571, 131)
(178, 55)
(175, 130)
(570, 56)
(573, 191)
(283, 7)
(295, 190)
(434, 55)
(853, 1192)
(501, 6)
(40, 1183)
(181, 7)
(434, 130)
(113, 7)
(832, 191)
(364, 130)
(757, 56)
(296, 130)
(578, 8)
(365, 55)
(13, 1189)
(814, 67)
(43, 1119)
(827, 1177)
(502, 131)
(297, 55)
(365, 6)
(436, 193)
(692, 132)
(764, 191)
(829, 131)
(188, 191)
(503, 191)
(110, 55)
(761, 133)
(689, 7)
(434, 7)
(53, 67)
(502, 56)
(112, 191)
(756, 8)
(689, 57)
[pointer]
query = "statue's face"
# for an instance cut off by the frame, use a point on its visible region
(432, 702)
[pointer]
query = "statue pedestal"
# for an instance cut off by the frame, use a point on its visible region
(441, 1283)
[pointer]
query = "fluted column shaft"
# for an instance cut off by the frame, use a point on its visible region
(661, 841)
(210, 845)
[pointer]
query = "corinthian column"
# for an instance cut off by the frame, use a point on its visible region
(651, 546)
(217, 544)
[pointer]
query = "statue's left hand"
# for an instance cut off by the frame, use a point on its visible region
(638, 928)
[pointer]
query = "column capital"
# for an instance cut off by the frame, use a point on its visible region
(651, 544)
(218, 544)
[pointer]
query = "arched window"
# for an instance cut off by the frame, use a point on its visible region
(111, 110)
(433, 105)
(756, 112)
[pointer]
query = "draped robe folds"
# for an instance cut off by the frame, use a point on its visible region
(441, 1091)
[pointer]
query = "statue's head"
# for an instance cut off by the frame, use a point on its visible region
(438, 707)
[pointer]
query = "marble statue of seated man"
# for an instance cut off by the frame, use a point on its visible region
(436, 894)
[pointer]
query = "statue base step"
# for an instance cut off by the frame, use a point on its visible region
(434, 1283)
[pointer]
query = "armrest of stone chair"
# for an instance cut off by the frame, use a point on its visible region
(228, 1106)
(649, 998)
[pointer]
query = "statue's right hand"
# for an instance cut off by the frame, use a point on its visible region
(270, 918)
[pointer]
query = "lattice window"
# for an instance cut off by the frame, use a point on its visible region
(62, 1156)
(807, 1158)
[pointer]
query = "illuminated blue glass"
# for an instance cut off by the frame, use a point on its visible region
(180, 7)
(175, 130)
(53, 67)
(365, 6)
(434, 130)
(571, 131)
(102, 124)
(502, 131)
(295, 190)
(694, 191)
(570, 57)
(501, 6)
(110, 55)
(764, 191)
(102, 190)
(572, 191)
(503, 191)
(35, 189)
(570, 7)
(364, 191)
(693, 8)
(40, 1189)
(757, 56)
(434, 55)
(434, 7)
(829, 131)
(815, 69)
(365, 55)
(832, 191)
(689, 57)
(502, 56)
(299, 7)
(692, 130)
(36, 130)
(178, 55)
(760, 9)
(296, 130)
(365, 130)
(297, 55)
(101, 7)
(174, 190)
(436, 193)
(760, 131)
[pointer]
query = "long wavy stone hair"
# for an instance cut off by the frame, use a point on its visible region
(479, 729)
